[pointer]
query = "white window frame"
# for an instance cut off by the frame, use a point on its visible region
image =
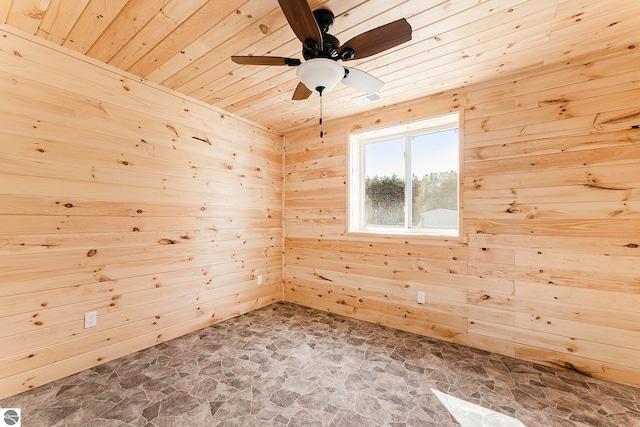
(356, 221)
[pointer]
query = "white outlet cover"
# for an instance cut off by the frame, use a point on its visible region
(259, 279)
(421, 297)
(90, 319)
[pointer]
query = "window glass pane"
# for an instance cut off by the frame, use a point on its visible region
(434, 166)
(404, 179)
(384, 184)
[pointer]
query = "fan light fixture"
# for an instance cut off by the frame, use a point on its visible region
(320, 74)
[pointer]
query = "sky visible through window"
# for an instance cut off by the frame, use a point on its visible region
(432, 152)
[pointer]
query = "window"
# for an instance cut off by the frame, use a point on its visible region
(405, 179)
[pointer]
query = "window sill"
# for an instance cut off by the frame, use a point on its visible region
(389, 234)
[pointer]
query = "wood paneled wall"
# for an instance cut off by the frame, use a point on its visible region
(548, 269)
(119, 196)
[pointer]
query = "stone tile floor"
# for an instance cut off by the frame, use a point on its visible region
(287, 365)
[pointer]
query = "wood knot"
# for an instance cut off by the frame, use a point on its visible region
(92, 252)
(485, 297)
(172, 129)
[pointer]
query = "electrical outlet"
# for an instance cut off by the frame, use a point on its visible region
(421, 297)
(90, 319)
(259, 280)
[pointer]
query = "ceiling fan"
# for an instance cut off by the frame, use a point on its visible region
(320, 72)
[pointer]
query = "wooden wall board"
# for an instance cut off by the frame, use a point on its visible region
(78, 292)
(561, 344)
(111, 203)
(95, 257)
(408, 280)
(597, 333)
(585, 366)
(167, 19)
(60, 17)
(68, 190)
(94, 19)
(382, 289)
(27, 14)
(221, 239)
(35, 204)
(620, 182)
(241, 21)
(588, 315)
(131, 19)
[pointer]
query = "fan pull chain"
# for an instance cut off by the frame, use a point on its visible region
(320, 89)
(320, 120)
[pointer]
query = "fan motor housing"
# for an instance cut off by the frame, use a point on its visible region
(330, 44)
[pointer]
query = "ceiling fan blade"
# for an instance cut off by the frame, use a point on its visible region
(362, 80)
(265, 60)
(301, 92)
(301, 20)
(378, 40)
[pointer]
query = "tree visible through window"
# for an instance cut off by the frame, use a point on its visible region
(406, 182)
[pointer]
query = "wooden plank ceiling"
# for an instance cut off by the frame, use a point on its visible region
(186, 44)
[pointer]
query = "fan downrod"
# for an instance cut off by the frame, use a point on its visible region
(325, 19)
